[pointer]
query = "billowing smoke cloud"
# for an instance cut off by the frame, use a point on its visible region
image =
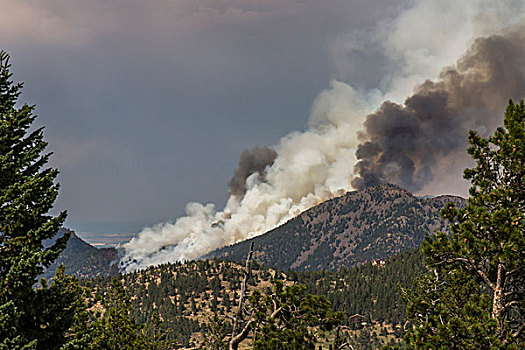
(252, 161)
(404, 144)
(309, 168)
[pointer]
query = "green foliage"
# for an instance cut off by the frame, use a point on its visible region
(287, 318)
(450, 312)
(30, 318)
(474, 294)
(81, 333)
(157, 334)
(115, 329)
(183, 294)
(216, 331)
(171, 291)
(290, 318)
(366, 289)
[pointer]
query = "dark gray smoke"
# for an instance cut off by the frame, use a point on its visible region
(402, 143)
(251, 161)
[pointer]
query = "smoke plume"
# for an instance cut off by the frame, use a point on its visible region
(251, 161)
(404, 142)
(414, 144)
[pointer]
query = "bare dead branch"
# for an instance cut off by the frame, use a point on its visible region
(276, 312)
(473, 266)
(236, 340)
(238, 337)
(519, 330)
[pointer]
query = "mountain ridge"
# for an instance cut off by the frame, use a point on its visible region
(359, 226)
(84, 260)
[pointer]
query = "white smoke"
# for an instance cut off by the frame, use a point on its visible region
(311, 167)
(317, 164)
(433, 34)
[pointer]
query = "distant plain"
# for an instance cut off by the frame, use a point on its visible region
(105, 240)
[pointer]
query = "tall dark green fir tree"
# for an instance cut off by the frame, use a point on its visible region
(30, 317)
(473, 295)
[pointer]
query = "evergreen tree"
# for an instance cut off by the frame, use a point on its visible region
(157, 333)
(473, 295)
(115, 330)
(81, 333)
(290, 318)
(30, 318)
(215, 333)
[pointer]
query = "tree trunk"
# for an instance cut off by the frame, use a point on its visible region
(235, 339)
(497, 300)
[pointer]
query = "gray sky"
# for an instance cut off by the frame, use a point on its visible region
(148, 104)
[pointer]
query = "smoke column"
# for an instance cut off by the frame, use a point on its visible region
(404, 142)
(409, 144)
(250, 162)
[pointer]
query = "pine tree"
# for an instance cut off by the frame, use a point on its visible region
(30, 318)
(290, 318)
(115, 330)
(158, 334)
(473, 295)
(215, 333)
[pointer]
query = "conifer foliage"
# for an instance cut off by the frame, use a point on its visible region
(30, 318)
(116, 330)
(290, 318)
(474, 294)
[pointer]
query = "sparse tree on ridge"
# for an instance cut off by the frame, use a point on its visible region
(473, 295)
(30, 318)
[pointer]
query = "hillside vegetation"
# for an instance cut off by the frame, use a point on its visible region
(360, 226)
(188, 295)
(83, 260)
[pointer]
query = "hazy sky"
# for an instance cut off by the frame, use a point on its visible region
(148, 104)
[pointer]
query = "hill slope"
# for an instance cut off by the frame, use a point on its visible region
(83, 260)
(357, 227)
(187, 295)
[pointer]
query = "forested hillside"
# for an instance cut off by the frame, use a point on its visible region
(360, 226)
(360, 271)
(355, 228)
(187, 295)
(84, 260)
